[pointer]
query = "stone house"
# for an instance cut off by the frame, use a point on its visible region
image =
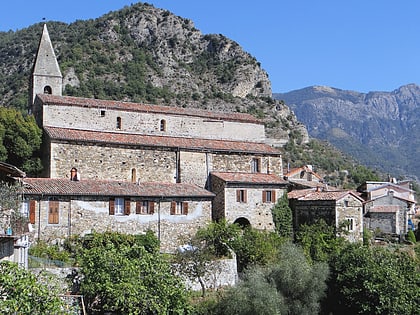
(372, 193)
(388, 213)
(304, 177)
(246, 198)
(341, 209)
(158, 154)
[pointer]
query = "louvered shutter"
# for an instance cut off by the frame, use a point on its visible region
(53, 213)
(185, 208)
(264, 196)
(173, 207)
(138, 207)
(273, 194)
(151, 207)
(245, 196)
(32, 208)
(127, 207)
(111, 207)
(238, 196)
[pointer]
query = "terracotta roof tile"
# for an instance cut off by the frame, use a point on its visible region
(253, 178)
(66, 187)
(50, 99)
(322, 195)
(158, 141)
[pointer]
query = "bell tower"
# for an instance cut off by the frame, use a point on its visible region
(46, 77)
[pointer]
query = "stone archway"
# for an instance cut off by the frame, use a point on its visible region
(242, 222)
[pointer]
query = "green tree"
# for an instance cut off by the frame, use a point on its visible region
(319, 241)
(373, 280)
(219, 237)
(123, 277)
(21, 293)
(196, 261)
(282, 217)
(256, 247)
(20, 140)
(291, 286)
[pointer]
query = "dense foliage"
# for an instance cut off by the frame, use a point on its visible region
(290, 286)
(374, 280)
(283, 217)
(121, 275)
(22, 293)
(20, 140)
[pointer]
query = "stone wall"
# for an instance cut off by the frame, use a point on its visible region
(257, 212)
(103, 119)
(347, 208)
(82, 216)
(118, 163)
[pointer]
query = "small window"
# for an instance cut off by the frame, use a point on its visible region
(256, 165)
(118, 122)
(53, 212)
(133, 175)
(47, 89)
(346, 203)
(269, 196)
(350, 224)
(145, 207)
(241, 195)
(24, 208)
(162, 125)
(178, 208)
(102, 112)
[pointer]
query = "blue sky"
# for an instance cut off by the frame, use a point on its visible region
(360, 45)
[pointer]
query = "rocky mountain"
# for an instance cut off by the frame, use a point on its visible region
(144, 54)
(380, 129)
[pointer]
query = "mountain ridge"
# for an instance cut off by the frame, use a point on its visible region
(378, 128)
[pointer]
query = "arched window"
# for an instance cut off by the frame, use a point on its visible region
(118, 122)
(47, 89)
(73, 174)
(163, 125)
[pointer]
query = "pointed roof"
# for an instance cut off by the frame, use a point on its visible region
(46, 61)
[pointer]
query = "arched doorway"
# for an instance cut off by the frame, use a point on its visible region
(242, 222)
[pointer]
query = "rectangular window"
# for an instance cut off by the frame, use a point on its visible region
(145, 207)
(53, 212)
(178, 207)
(119, 206)
(256, 165)
(241, 195)
(269, 196)
(24, 208)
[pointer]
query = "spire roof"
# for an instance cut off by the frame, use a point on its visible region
(46, 61)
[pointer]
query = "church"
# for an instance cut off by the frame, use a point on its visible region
(130, 167)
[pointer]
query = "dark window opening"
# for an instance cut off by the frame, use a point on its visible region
(118, 122)
(47, 89)
(163, 125)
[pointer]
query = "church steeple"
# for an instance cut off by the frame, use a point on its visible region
(46, 75)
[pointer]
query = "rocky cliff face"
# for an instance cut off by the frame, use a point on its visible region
(378, 128)
(144, 54)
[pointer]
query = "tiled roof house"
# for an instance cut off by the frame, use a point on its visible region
(129, 167)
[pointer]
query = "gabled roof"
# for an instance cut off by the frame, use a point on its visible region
(49, 99)
(46, 62)
(249, 178)
(9, 170)
(298, 170)
(66, 187)
(117, 138)
(394, 196)
(313, 195)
